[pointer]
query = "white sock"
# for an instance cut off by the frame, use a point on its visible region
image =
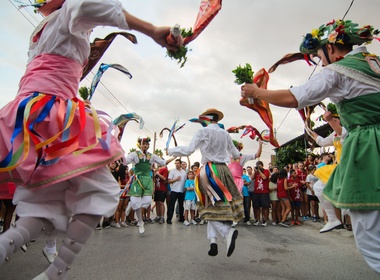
(51, 246)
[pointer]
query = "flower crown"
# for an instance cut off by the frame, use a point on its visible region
(238, 145)
(337, 32)
(142, 140)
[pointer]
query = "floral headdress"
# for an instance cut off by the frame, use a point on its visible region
(140, 141)
(45, 7)
(343, 32)
(238, 145)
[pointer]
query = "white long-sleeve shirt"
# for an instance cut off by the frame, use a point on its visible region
(69, 28)
(331, 84)
(134, 159)
(214, 143)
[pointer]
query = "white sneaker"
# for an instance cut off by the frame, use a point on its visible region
(202, 222)
(234, 224)
(50, 257)
(248, 223)
(141, 227)
(123, 224)
(256, 223)
(113, 224)
(274, 224)
(330, 226)
(194, 222)
(264, 224)
(24, 248)
(117, 225)
(186, 223)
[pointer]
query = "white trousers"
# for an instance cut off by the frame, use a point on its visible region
(215, 227)
(318, 189)
(95, 192)
(326, 205)
(366, 228)
(138, 202)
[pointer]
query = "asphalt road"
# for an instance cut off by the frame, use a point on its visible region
(179, 252)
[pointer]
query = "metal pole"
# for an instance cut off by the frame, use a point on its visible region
(154, 142)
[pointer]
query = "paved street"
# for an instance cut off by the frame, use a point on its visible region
(179, 252)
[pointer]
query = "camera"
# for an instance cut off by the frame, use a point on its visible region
(256, 168)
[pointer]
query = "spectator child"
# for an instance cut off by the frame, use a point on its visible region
(293, 184)
(312, 198)
(276, 212)
(246, 199)
(190, 199)
(283, 196)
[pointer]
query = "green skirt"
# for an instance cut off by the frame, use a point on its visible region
(355, 182)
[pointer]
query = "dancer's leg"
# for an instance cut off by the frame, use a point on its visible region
(79, 231)
(366, 229)
(333, 220)
(21, 232)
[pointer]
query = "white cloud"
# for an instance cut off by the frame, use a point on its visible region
(244, 31)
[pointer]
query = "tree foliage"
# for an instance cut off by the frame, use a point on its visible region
(292, 153)
(159, 153)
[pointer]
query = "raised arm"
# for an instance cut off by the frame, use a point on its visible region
(281, 97)
(260, 149)
(158, 34)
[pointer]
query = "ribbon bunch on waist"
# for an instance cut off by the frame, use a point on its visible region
(214, 187)
(35, 109)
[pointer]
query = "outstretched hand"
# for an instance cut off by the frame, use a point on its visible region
(249, 90)
(161, 34)
(327, 116)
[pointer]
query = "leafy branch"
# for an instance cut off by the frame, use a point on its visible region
(243, 74)
(181, 52)
(84, 92)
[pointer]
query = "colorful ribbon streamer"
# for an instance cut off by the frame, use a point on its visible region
(172, 130)
(204, 121)
(261, 78)
(252, 132)
(102, 68)
(207, 11)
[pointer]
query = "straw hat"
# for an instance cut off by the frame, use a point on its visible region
(213, 111)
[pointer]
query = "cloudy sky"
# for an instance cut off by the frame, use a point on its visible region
(244, 31)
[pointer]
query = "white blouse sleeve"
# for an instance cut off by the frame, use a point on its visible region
(321, 86)
(84, 15)
(131, 158)
(324, 142)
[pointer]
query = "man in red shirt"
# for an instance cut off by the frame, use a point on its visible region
(261, 201)
(293, 185)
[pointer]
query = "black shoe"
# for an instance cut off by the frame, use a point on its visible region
(169, 222)
(213, 250)
(231, 238)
